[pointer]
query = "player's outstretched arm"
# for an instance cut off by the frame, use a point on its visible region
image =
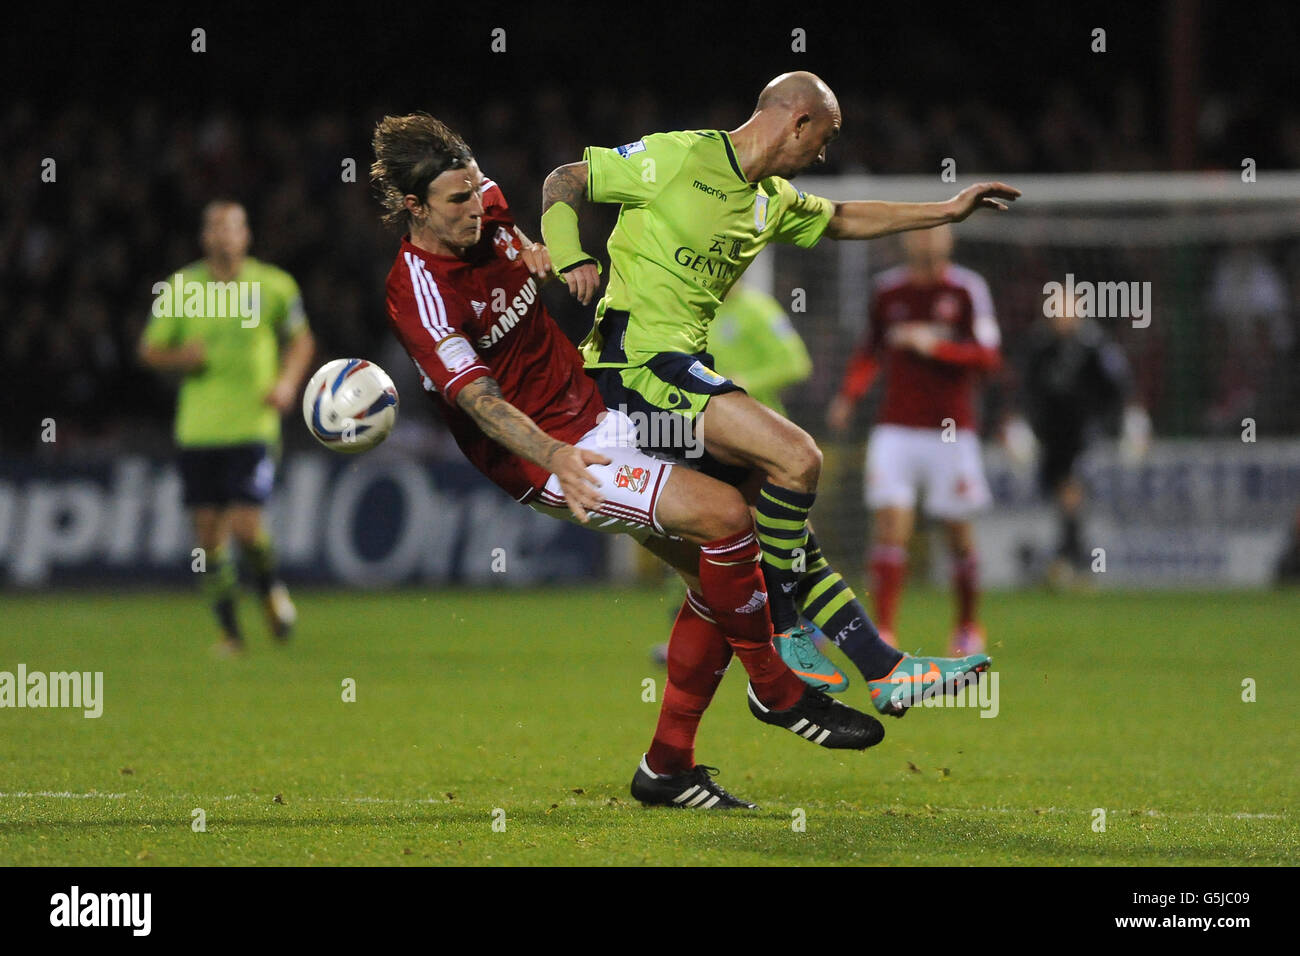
(562, 195)
(869, 219)
(293, 370)
(506, 425)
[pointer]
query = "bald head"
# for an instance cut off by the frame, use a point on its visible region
(795, 119)
(799, 92)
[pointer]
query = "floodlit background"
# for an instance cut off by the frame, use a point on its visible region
(1187, 100)
(1164, 149)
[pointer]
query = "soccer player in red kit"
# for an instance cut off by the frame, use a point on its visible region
(463, 300)
(933, 333)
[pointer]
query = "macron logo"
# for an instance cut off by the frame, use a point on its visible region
(103, 909)
(708, 190)
(755, 603)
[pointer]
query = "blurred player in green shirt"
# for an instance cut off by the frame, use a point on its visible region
(753, 341)
(234, 330)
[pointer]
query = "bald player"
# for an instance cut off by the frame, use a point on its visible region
(696, 208)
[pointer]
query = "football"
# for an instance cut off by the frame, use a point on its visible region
(350, 405)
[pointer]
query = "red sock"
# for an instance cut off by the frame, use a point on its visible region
(888, 568)
(965, 580)
(698, 655)
(734, 591)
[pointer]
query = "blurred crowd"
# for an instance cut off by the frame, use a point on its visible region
(79, 254)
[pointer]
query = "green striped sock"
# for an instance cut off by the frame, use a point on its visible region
(829, 603)
(782, 522)
(260, 556)
(221, 589)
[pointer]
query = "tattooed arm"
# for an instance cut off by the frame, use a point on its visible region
(506, 425)
(565, 184)
(562, 196)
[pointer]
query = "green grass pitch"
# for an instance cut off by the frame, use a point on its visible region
(525, 709)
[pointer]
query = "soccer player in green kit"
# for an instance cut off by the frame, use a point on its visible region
(236, 333)
(697, 207)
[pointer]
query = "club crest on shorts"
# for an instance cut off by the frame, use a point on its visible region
(633, 478)
(706, 374)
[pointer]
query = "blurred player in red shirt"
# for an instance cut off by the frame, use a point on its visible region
(463, 299)
(933, 334)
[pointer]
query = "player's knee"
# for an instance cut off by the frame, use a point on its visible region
(704, 510)
(731, 515)
(804, 463)
(721, 514)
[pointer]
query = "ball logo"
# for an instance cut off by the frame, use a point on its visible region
(633, 479)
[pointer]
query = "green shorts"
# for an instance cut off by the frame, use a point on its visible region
(678, 383)
(664, 398)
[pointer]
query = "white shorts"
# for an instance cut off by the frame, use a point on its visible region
(630, 484)
(902, 461)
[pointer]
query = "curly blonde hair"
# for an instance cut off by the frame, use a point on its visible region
(410, 152)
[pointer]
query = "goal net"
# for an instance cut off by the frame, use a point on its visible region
(1214, 361)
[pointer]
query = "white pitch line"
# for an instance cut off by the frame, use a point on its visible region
(1043, 811)
(372, 800)
(62, 794)
(67, 795)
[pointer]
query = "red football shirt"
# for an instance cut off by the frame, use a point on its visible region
(461, 319)
(921, 391)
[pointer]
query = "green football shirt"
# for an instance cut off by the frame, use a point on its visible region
(689, 225)
(241, 325)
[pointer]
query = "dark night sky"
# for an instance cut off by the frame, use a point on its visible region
(435, 51)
